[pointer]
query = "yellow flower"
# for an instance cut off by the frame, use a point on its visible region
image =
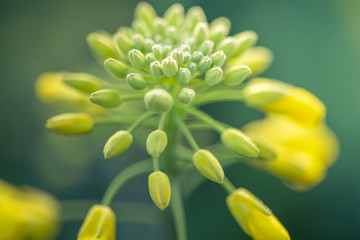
(27, 214)
(303, 153)
(254, 217)
(99, 224)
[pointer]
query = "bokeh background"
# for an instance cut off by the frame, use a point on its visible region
(316, 46)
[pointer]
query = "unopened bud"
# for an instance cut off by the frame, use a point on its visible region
(145, 12)
(204, 64)
(149, 58)
(236, 75)
(218, 58)
(194, 16)
(186, 95)
(83, 82)
(148, 44)
(258, 59)
(219, 29)
(228, 46)
(192, 68)
(185, 48)
(124, 43)
(160, 25)
(158, 100)
(116, 68)
(174, 15)
(158, 51)
(178, 55)
(221, 21)
(160, 189)
(207, 164)
(239, 142)
(101, 45)
(169, 67)
(156, 143)
(246, 40)
(197, 56)
(138, 40)
(141, 27)
(136, 58)
(184, 76)
(155, 69)
(70, 123)
(107, 98)
(171, 33)
(136, 81)
(117, 144)
(207, 47)
(186, 58)
(201, 32)
(213, 76)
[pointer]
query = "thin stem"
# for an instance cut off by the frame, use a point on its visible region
(140, 120)
(204, 117)
(177, 208)
(228, 186)
(156, 164)
(185, 130)
(128, 173)
(162, 121)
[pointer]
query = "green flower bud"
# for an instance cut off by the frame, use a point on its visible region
(169, 67)
(266, 152)
(158, 51)
(138, 41)
(184, 76)
(218, 58)
(171, 33)
(237, 75)
(148, 44)
(218, 33)
(207, 164)
(246, 40)
(145, 12)
(207, 47)
(101, 45)
(116, 68)
(239, 143)
(136, 58)
(194, 16)
(221, 21)
(186, 58)
(124, 43)
(136, 81)
(106, 98)
(258, 59)
(126, 31)
(197, 56)
(149, 58)
(178, 55)
(228, 46)
(160, 189)
(213, 76)
(205, 64)
(155, 69)
(174, 15)
(201, 32)
(160, 25)
(186, 95)
(192, 68)
(141, 27)
(117, 144)
(158, 100)
(167, 49)
(185, 48)
(70, 123)
(83, 82)
(156, 143)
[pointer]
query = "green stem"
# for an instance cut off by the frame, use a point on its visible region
(156, 164)
(185, 130)
(140, 120)
(177, 208)
(162, 121)
(228, 186)
(128, 173)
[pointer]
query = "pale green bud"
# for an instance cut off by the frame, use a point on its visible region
(218, 33)
(145, 12)
(138, 40)
(156, 143)
(136, 81)
(124, 43)
(186, 95)
(158, 38)
(207, 47)
(207, 164)
(228, 46)
(101, 45)
(158, 100)
(205, 64)
(117, 144)
(155, 69)
(236, 75)
(174, 15)
(192, 68)
(197, 56)
(106, 98)
(218, 58)
(185, 48)
(160, 25)
(194, 16)
(160, 189)
(141, 27)
(246, 40)
(158, 51)
(201, 32)
(214, 76)
(70, 123)
(257, 58)
(239, 142)
(184, 76)
(136, 58)
(221, 21)
(178, 55)
(148, 44)
(186, 58)
(149, 58)
(83, 82)
(266, 152)
(171, 32)
(116, 68)
(126, 30)
(167, 49)
(169, 67)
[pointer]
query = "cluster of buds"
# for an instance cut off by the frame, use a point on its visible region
(163, 69)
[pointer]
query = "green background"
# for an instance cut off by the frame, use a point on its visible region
(316, 46)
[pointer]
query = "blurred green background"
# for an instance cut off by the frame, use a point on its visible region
(316, 46)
